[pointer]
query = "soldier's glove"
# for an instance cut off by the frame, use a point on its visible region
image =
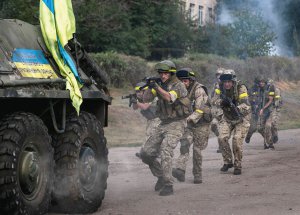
(152, 84)
(225, 103)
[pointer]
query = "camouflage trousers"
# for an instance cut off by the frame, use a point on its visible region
(151, 127)
(269, 128)
(238, 130)
(215, 126)
(253, 125)
(198, 136)
(162, 142)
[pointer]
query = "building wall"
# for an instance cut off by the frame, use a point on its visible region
(200, 11)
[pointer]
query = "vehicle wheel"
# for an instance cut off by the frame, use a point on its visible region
(81, 166)
(26, 165)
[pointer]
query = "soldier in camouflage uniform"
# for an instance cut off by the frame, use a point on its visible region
(198, 126)
(267, 114)
(217, 112)
(276, 112)
(147, 109)
(233, 99)
(172, 109)
(254, 101)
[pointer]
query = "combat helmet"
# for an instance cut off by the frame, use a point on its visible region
(220, 71)
(228, 75)
(185, 73)
(166, 66)
(140, 86)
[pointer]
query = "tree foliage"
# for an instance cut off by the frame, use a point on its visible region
(26, 10)
(246, 36)
(158, 29)
(250, 36)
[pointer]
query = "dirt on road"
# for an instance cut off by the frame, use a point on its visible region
(269, 184)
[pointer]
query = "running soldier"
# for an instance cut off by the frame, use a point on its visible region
(233, 99)
(147, 109)
(254, 102)
(217, 112)
(198, 125)
(276, 112)
(267, 120)
(172, 109)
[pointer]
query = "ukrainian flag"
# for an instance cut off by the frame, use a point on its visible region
(58, 26)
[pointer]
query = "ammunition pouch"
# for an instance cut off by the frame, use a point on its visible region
(182, 108)
(207, 115)
(149, 114)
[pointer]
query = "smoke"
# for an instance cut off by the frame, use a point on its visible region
(271, 13)
(225, 17)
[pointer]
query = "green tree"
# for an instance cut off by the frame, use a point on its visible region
(26, 10)
(212, 39)
(250, 36)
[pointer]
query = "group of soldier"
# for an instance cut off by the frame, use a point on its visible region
(179, 109)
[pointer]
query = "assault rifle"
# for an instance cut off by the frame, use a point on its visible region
(150, 82)
(233, 108)
(132, 97)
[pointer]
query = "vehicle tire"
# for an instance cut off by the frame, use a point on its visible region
(26, 165)
(81, 166)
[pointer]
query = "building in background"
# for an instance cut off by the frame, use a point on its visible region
(200, 12)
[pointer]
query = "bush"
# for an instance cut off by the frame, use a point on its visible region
(128, 70)
(274, 67)
(122, 70)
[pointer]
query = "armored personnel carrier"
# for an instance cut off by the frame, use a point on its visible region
(50, 157)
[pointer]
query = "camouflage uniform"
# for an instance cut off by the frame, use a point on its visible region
(266, 121)
(276, 113)
(148, 110)
(217, 113)
(152, 119)
(230, 125)
(169, 131)
(197, 131)
(254, 101)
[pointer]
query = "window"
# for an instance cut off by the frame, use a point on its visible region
(200, 16)
(192, 11)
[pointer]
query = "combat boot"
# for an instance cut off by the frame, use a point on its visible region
(247, 139)
(197, 179)
(159, 184)
(271, 147)
(138, 155)
(179, 174)
(237, 171)
(226, 167)
(266, 146)
(166, 190)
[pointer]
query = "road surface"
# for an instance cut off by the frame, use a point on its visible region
(269, 184)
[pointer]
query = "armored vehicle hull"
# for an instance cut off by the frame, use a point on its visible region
(50, 157)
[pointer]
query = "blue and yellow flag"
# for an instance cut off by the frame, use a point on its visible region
(58, 26)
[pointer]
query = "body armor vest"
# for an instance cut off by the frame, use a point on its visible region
(167, 111)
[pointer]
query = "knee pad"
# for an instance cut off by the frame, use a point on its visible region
(184, 146)
(146, 158)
